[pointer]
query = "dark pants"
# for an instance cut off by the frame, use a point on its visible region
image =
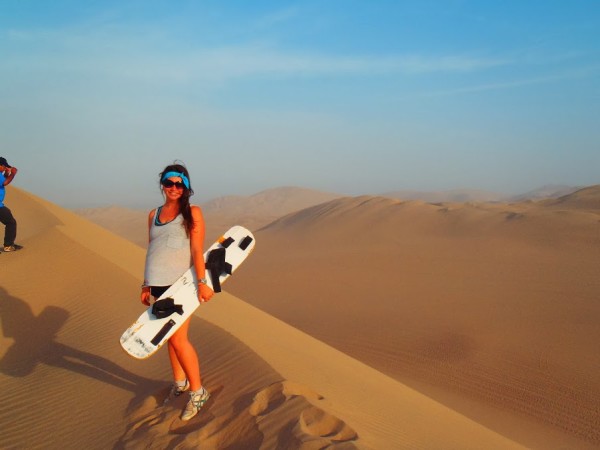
(157, 291)
(10, 233)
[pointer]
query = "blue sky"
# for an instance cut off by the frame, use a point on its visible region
(353, 97)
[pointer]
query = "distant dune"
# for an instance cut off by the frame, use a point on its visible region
(68, 295)
(271, 202)
(475, 195)
(545, 192)
(132, 224)
(453, 195)
(582, 199)
(258, 210)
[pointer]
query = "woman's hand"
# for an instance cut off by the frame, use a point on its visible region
(145, 295)
(205, 293)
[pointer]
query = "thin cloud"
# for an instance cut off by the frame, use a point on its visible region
(580, 73)
(247, 62)
(157, 58)
(243, 62)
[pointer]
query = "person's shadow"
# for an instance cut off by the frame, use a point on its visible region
(35, 343)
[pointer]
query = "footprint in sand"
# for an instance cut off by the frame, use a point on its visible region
(277, 394)
(309, 426)
(316, 422)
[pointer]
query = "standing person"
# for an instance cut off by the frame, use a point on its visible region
(7, 174)
(176, 238)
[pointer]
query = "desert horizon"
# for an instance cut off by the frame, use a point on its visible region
(384, 324)
(261, 208)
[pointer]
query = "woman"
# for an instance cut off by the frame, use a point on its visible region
(176, 237)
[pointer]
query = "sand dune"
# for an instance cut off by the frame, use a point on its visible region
(477, 195)
(271, 202)
(132, 224)
(549, 191)
(453, 195)
(65, 299)
(490, 309)
(257, 210)
(582, 199)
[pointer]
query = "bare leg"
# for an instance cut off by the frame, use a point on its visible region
(183, 357)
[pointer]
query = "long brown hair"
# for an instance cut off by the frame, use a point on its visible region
(184, 200)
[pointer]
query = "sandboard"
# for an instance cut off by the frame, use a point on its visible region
(149, 332)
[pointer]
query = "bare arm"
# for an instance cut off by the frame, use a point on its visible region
(11, 175)
(145, 295)
(197, 248)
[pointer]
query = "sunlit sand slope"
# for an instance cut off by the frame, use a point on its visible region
(66, 298)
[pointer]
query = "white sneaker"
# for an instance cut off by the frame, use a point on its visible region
(176, 391)
(195, 404)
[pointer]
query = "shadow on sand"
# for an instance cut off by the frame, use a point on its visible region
(35, 343)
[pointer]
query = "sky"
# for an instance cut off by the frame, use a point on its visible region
(351, 97)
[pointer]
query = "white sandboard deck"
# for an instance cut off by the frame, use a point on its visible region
(148, 333)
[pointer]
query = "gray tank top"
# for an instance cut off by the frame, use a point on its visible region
(169, 255)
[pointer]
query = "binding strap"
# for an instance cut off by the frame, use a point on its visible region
(162, 332)
(165, 307)
(216, 264)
